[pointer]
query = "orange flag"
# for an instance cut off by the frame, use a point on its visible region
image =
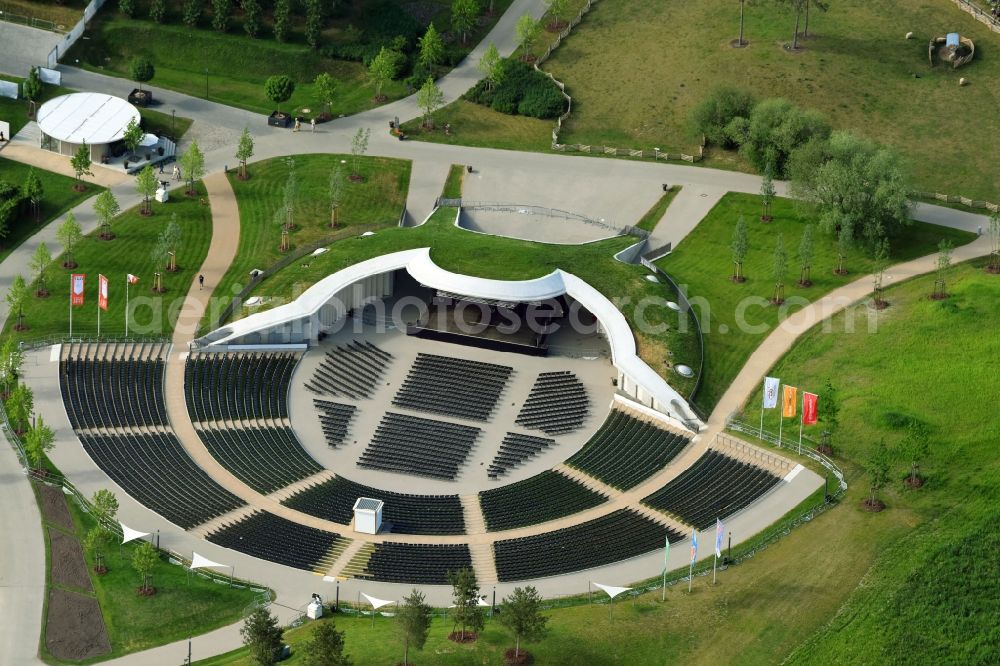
(102, 293)
(789, 401)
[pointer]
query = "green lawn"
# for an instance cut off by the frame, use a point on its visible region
(64, 13)
(453, 185)
(476, 125)
(655, 214)
(703, 262)
(57, 198)
(153, 315)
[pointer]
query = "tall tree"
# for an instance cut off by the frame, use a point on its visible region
(336, 192)
(192, 12)
(779, 270)
(69, 234)
(526, 31)
(20, 404)
(244, 151)
(464, 14)
(325, 647)
(106, 207)
(942, 266)
(491, 66)
(164, 252)
(141, 70)
(381, 70)
(146, 184)
(740, 41)
(314, 22)
(822, 6)
(520, 613)
(797, 6)
(740, 246)
(877, 465)
(845, 242)
(32, 88)
(144, 559)
(40, 260)
(359, 146)
(133, 135)
(38, 442)
(805, 256)
(767, 193)
(831, 417)
(466, 612)
(282, 15)
(81, 166)
(193, 164)
(429, 99)
(251, 17)
(279, 88)
(263, 636)
(94, 544)
(881, 263)
(325, 87)
(221, 9)
(915, 447)
(105, 506)
(158, 10)
(33, 191)
(17, 295)
(431, 51)
(776, 129)
(414, 619)
(11, 359)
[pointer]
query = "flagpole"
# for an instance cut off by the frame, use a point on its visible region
(761, 435)
(71, 306)
(126, 308)
(715, 564)
(98, 308)
(666, 550)
(690, 575)
(800, 426)
(781, 423)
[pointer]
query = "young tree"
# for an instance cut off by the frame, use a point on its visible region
(105, 506)
(877, 466)
(221, 9)
(146, 184)
(796, 6)
(141, 70)
(464, 14)
(994, 231)
(94, 544)
(106, 207)
(822, 6)
(32, 88)
(193, 164)
(133, 135)
(466, 612)
(20, 404)
(381, 70)
(881, 262)
(164, 252)
(144, 558)
(414, 618)
(40, 260)
(262, 635)
(740, 246)
(192, 13)
(81, 166)
(325, 87)
(11, 359)
(244, 151)
(431, 51)
(830, 418)
(158, 10)
(556, 10)
(359, 146)
(943, 265)
(519, 612)
(779, 270)
(336, 192)
(282, 12)
(251, 17)
(38, 442)
(314, 22)
(740, 42)
(290, 198)
(279, 88)
(805, 256)
(32, 191)
(526, 31)
(429, 99)
(767, 194)
(491, 66)
(17, 294)
(126, 7)
(69, 234)
(325, 647)
(915, 447)
(845, 242)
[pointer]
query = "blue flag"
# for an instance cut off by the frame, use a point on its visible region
(694, 545)
(718, 537)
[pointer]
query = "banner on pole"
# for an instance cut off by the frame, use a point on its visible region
(102, 294)
(788, 402)
(771, 392)
(76, 288)
(132, 279)
(718, 537)
(694, 545)
(809, 406)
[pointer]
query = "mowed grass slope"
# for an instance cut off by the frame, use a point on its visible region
(702, 264)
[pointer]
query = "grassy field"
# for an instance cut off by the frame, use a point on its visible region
(656, 213)
(64, 14)
(476, 125)
(57, 198)
(702, 264)
(153, 315)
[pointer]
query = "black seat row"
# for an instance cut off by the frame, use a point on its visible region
(453, 387)
(238, 386)
(279, 540)
(417, 564)
(626, 451)
(414, 445)
(556, 405)
(514, 450)
(335, 419)
(351, 371)
(543, 497)
(715, 486)
(402, 514)
(266, 459)
(617, 536)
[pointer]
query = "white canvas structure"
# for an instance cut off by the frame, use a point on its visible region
(129, 534)
(98, 119)
(202, 562)
(368, 515)
(611, 590)
(377, 603)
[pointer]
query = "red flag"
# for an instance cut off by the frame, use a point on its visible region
(76, 288)
(102, 294)
(809, 401)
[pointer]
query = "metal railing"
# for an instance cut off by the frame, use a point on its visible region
(42, 24)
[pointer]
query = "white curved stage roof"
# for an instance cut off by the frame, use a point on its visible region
(92, 117)
(418, 263)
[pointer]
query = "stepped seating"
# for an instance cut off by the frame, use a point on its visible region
(414, 445)
(156, 470)
(266, 459)
(276, 539)
(715, 486)
(417, 564)
(113, 386)
(612, 538)
(541, 498)
(238, 386)
(350, 371)
(556, 405)
(626, 451)
(334, 499)
(514, 450)
(453, 387)
(335, 419)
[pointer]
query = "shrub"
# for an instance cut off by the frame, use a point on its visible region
(522, 90)
(542, 101)
(714, 114)
(777, 127)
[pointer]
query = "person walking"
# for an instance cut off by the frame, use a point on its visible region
(177, 172)
(312, 121)
(298, 125)
(201, 282)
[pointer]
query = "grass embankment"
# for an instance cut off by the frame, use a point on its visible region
(453, 184)
(653, 216)
(64, 13)
(130, 252)
(735, 317)
(57, 198)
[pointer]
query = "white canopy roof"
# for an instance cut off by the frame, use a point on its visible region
(612, 590)
(377, 603)
(92, 117)
(129, 534)
(202, 562)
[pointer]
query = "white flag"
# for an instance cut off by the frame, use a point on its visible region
(771, 392)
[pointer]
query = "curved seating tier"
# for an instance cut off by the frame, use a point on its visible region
(556, 405)
(350, 371)
(453, 387)
(113, 386)
(265, 459)
(419, 564)
(408, 514)
(541, 498)
(514, 450)
(156, 470)
(414, 445)
(626, 451)
(335, 419)
(276, 539)
(715, 486)
(238, 386)
(617, 536)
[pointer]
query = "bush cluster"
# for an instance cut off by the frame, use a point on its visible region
(522, 90)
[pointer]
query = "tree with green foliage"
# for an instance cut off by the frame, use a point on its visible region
(105, 506)
(314, 22)
(774, 130)
(767, 194)
(359, 146)
(251, 17)
(40, 260)
(880, 264)
(32, 88)
(32, 191)
(282, 19)
(158, 10)
(141, 70)
(916, 445)
(17, 295)
(144, 559)
(81, 165)
(69, 234)
(845, 243)
(466, 612)
(290, 197)
(805, 256)
(262, 635)
(192, 12)
(942, 266)
(325, 646)
(464, 14)
(164, 252)
(779, 270)
(126, 8)
(244, 151)
(796, 6)
(94, 544)
(279, 88)
(520, 613)
(740, 246)
(146, 184)
(193, 165)
(325, 88)
(830, 418)
(38, 442)
(336, 192)
(221, 9)
(429, 99)
(526, 31)
(19, 405)
(994, 231)
(11, 359)
(491, 66)
(414, 620)
(133, 135)
(106, 207)
(877, 466)
(381, 70)
(556, 11)
(722, 115)
(431, 49)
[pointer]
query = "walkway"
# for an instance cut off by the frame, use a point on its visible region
(25, 47)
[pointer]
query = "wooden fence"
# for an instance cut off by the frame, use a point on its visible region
(965, 201)
(979, 14)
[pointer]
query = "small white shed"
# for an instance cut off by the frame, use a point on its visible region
(368, 515)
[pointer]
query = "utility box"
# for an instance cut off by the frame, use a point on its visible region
(368, 515)
(314, 611)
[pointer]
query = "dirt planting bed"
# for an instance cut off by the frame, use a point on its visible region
(75, 629)
(54, 508)
(68, 566)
